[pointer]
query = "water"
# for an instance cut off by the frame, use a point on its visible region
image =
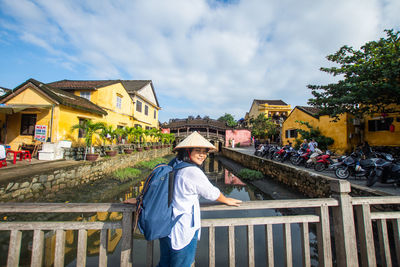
(107, 190)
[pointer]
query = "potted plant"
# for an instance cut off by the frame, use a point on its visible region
(146, 146)
(89, 129)
(130, 136)
(108, 133)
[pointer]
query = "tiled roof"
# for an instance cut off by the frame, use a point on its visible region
(131, 86)
(310, 110)
(134, 85)
(270, 102)
(81, 85)
(65, 98)
(196, 122)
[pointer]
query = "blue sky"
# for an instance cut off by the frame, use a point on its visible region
(204, 57)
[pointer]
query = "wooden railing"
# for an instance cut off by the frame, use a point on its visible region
(38, 228)
(333, 218)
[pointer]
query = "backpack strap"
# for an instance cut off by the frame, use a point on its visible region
(171, 180)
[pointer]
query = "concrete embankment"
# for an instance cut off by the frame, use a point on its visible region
(29, 182)
(307, 183)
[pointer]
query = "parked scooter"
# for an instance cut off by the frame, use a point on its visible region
(323, 162)
(302, 159)
(289, 152)
(353, 165)
(385, 171)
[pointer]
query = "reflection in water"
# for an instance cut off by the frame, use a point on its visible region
(230, 178)
(228, 183)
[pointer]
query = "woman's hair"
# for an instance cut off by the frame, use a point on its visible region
(183, 154)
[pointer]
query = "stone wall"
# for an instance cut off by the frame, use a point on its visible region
(310, 184)
(51, 181)
(78, 153)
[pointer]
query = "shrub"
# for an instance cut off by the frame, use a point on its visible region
(150, 164)
(250, 174)
(126, 174)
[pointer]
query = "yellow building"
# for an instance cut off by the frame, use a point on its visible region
(56, 106)
(381, 129)
(277, 110)
(347, 132)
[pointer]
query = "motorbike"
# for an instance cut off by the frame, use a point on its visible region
(354, 166)
(323, 162)
(278, 154)
(289, 151)
(260, 151)
(385, 171)
(302, 158)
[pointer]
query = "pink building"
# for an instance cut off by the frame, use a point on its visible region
(242, 136)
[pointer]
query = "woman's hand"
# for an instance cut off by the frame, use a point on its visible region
(229, 201)
(130, 201)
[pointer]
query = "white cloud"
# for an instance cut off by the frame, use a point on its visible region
(215, 58)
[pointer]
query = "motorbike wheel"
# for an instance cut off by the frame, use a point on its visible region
(308, 164)
(319, 167)
(342, 173)
(298, 161)
(293, 160)
(372, 178)
(276, 157)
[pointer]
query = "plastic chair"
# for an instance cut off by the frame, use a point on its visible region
(3, 163)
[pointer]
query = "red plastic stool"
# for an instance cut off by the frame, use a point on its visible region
(27, 155)
(3, 162)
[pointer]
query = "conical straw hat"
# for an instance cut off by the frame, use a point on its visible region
(195, 140)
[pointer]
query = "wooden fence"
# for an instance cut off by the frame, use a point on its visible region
(334, 219)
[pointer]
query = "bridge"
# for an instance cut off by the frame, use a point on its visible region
(213, 130)
(344, 230)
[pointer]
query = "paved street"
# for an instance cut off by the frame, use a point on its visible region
(387, 188)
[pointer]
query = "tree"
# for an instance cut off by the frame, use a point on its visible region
(371, 80)
(228, 119)
(263, 126)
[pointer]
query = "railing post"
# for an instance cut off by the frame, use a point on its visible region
(343, 222)
(126, 243)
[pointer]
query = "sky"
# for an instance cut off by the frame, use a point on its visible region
(204, 57)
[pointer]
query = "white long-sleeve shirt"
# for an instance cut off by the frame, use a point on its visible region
(190, 184)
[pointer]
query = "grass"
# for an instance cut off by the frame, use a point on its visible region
(248, 174)
(150, 164)
(127, 174)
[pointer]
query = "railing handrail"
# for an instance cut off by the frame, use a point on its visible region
(275, 204)
(66, 207)
(375, 200)
(120, 207)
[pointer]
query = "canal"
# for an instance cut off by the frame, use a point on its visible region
(221, 173)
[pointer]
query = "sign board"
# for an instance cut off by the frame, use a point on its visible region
(41, 132)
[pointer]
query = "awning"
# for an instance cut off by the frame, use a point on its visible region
(15, 108)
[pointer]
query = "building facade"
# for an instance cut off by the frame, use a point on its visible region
(277, 110)
(348, 131)
(56, 106)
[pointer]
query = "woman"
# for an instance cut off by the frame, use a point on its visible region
(179, 248)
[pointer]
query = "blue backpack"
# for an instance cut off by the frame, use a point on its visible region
(153, 206)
